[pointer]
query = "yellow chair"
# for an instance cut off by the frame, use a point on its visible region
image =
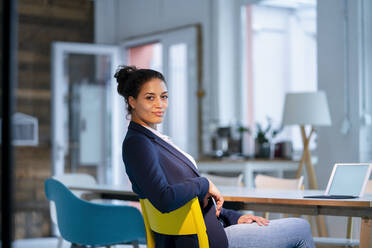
(185, 220)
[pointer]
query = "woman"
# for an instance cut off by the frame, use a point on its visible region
(168, 177)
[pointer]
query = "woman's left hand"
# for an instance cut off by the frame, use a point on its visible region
(248, 219)
(215, 193)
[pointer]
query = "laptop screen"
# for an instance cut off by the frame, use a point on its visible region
(348, 179)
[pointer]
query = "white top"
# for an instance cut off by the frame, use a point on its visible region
(168, 140)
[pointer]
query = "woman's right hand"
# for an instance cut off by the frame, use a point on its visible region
(216, 195)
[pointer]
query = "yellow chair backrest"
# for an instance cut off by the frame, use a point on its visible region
(185, 220)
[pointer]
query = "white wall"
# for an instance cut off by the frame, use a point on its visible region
(225, 54)
(366, 88)
(333, 146)
(105, 21)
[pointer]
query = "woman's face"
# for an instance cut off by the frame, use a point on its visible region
(149, 107)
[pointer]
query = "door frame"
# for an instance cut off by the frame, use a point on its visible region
(58, 112)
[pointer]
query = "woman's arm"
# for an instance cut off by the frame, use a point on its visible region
(230, 217)
(146, 174)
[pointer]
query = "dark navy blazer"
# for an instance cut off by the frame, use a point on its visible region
(162, 174)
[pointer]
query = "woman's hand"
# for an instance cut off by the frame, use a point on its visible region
(248, 219)
(216, 195)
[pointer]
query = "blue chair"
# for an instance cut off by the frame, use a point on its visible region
(86, 223)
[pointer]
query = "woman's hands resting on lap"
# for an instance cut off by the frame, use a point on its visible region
(244, 219)
(248, 219)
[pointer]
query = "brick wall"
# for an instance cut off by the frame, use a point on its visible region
(40, 23)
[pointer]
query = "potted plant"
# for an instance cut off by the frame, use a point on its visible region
(263, 139)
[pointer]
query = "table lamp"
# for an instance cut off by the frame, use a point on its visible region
(306, 108)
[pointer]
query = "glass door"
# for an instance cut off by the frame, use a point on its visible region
(86, 111)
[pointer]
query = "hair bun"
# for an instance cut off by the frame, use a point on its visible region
(122, 76)
(124, 72)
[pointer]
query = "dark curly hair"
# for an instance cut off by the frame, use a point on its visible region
(130, 81)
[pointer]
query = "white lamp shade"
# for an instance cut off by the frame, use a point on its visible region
(306, 108)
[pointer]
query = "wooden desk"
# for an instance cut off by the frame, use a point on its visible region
(273, 201)
(293, 202)
(276, 167)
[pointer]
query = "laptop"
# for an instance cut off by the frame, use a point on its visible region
(347, 181)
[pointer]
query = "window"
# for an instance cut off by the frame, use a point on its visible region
(279, 44)
(146, 56)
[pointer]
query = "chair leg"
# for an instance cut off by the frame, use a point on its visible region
(349, 230)
(77, 246)
(135, 244)
(310, 220)
(60, 242)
